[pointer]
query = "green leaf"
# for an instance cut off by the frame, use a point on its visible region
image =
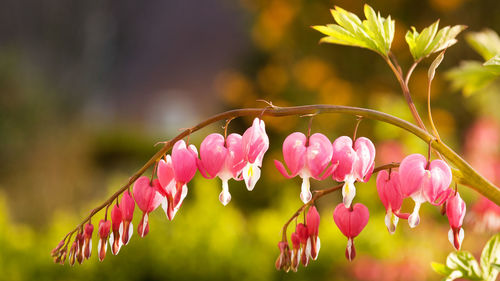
(430, 40)
(471, 76)
(375, 33)
(434, 65)
(491, 257)
(440, 268)
(464, 262)
(493, 64)
(486, 43)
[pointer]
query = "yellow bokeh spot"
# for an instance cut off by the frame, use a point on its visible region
(311, 72)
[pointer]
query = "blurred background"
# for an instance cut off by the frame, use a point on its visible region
(88, 87)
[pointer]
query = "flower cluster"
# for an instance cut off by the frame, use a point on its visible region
(240, 157)
(311, 156)
(347, 161)
(424, 181)
(235, 157)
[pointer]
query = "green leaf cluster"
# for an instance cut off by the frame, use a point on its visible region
(375, 33)
(473, 76)
(430, 40)
(486, 43)
(462, 264)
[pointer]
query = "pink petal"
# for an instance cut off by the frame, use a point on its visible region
(439, 182)
(319, 154)
(365, 151)
(411, 173)
(281, 168)
(255, 142)
(213, 154)
(455, 210)
(294, 152)
(235, 157)
(165, 171)
(183, 162)
(343, 156)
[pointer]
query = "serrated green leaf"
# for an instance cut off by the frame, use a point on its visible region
(486, 43)
(489, 257)
(440, 268)
(375, 33)
(470, 77)
(430, 40)
(464, 262)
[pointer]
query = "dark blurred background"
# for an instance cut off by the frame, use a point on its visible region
(87, 88)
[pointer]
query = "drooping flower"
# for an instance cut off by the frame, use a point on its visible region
(147, 199)
(222, 158)
(455, 210)
(87, 240)
(353, 163)
(79, 247)
(306, 158)
(389, 191)
(127, 206)
(115, 240)
(72, 252)
(296, 251)
(351, 222)
(174, 173)
(284, 261)
(255, 143)
(485, 215)
(423, 181)
(313, 243)
(303, 235)
(104, 228)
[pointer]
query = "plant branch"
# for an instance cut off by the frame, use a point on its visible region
(320, 193)
(406, 92)
(463, 173)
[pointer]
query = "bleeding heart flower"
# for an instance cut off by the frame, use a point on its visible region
(296, 251)
(283, 262)
(127, 206)
(351, 222)
(255, 143)
(104, 228)
(306, 158)
(72, 252)
(303, 235)
(79, 249)
(222, 158)
(147, 199)
(455, 210)
(353, 163)
(87, 240)
(389, 191)
(115, 240)
(313, 243)
(424, 181)
(174, 173)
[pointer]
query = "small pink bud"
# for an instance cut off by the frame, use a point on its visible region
(79, 250)
(455, 210)
(115, 240)
(104, 228)
(127, 206)
(87, 242)
(313, 242)
(284, 261)
(296, 251)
